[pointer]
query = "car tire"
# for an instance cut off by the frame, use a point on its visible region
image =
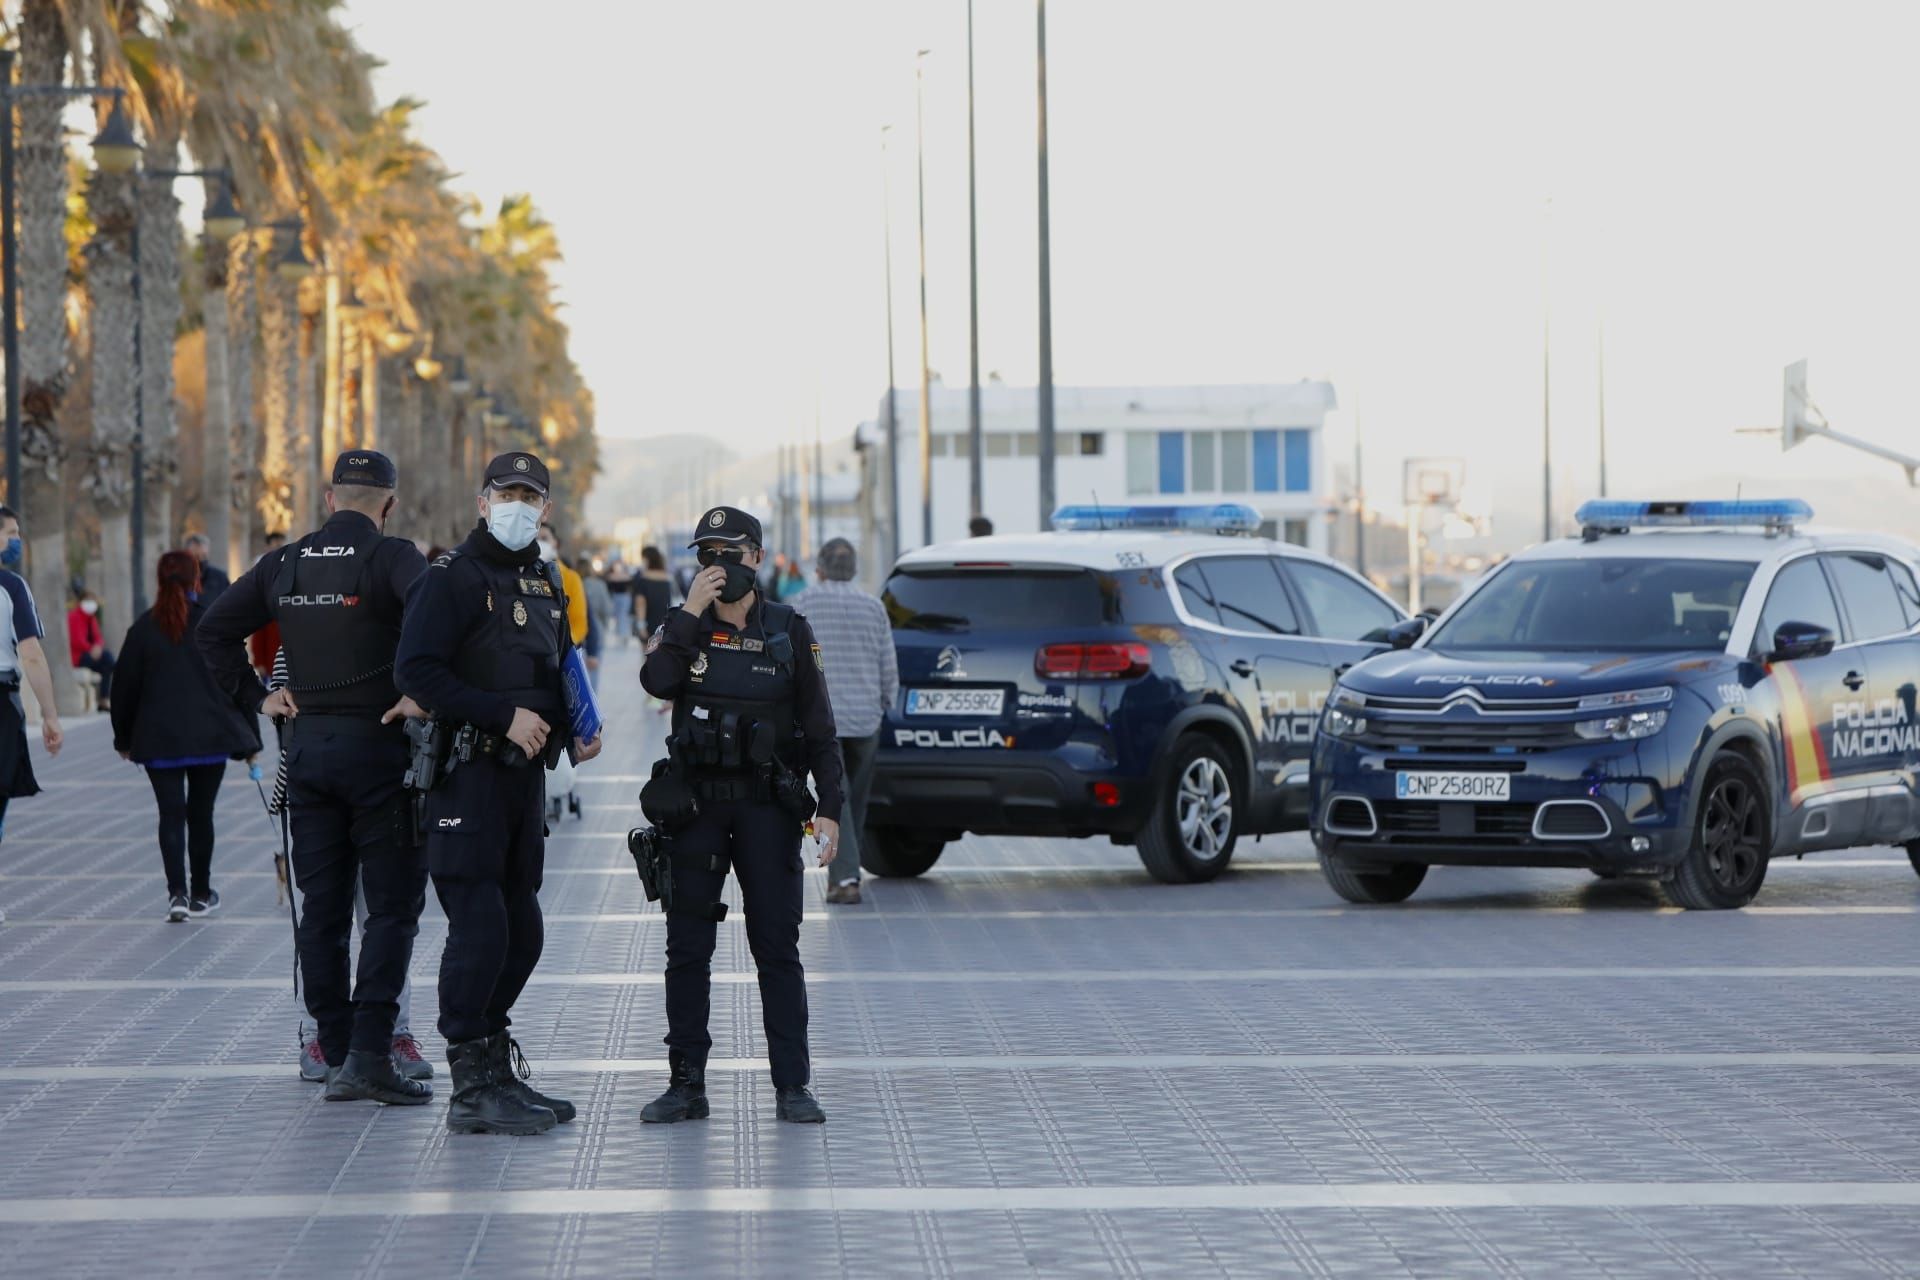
(1726, 860)
(1190, 833)
(1393, 883)
(897, 852)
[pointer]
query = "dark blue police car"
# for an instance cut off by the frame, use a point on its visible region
(1134, 674)
(1684, 692)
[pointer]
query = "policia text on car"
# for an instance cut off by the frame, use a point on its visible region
(482, 648)
(750, 719)
(338, 596)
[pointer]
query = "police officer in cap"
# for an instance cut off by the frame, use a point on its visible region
(485, 634)
(744, 676)
(338, 595)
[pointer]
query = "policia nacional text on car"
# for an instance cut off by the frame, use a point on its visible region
(750, 719)
(338, 595)
(482, 648)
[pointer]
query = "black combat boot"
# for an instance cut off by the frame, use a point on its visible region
(481, 1103)
(511, 1070)
(686, 1095)
(797, 1106)
(372, 1076)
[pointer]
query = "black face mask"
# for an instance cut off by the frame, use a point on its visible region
(740, 576)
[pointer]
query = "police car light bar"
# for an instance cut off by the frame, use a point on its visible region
(1774, 515)
(1213, 517)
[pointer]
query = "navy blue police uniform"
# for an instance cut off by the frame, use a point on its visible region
(762, 679)
(338, 595)
(485, 634)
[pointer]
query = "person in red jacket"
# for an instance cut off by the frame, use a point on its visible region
(89, 645)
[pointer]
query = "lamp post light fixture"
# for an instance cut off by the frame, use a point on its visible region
(292, 263)
(457, 380)
(115, 150)
(425, 367)
(397, 340)
(350, 306)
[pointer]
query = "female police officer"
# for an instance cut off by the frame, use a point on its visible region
(750, 713)
(481, 647)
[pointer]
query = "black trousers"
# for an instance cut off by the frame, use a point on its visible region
(186, 798)
(347, 811)
(762, 844)
(486, 848)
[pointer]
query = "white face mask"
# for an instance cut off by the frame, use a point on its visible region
(548, 551)
(89, 606)
(513, 524)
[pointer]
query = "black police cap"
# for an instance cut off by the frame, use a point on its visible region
(730, 525)
(510, 469)
(364, 466)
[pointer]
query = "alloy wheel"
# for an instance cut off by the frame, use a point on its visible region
(1730, 833)
(1205, 808)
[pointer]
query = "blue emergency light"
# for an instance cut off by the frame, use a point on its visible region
(1774, 515)
(1212, 517)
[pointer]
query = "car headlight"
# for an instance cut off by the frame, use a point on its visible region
(1345, 715)
(1625, 727)
(1660, 693)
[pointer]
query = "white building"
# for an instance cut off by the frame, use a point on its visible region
(1260, 445)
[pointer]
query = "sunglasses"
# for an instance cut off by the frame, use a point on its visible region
(711, 556)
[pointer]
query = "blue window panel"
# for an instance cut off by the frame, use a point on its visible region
(1299, 461)
(1266, 462)
(1173, 462)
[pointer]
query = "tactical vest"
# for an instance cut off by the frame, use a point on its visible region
(747, 676)
(517, 650)
(339, 652)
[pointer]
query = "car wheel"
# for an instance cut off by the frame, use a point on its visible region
(1392, 883)
(895, 851)
(1190, 834)
(1727, 860)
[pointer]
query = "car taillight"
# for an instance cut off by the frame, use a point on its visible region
(1092, 661)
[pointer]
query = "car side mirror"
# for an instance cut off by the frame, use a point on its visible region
(1401, 635)
(1800, 640)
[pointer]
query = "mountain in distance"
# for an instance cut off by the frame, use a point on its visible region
(639, 476)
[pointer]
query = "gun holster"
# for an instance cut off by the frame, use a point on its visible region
(670, 805)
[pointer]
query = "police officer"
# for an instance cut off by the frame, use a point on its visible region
(338, 595)
(744, 675)
(485, 634)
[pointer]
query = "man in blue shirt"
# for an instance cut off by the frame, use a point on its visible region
(20, 654)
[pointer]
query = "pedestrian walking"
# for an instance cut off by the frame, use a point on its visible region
(213, 577)
(482, 646)
(173, 721)
(751, 720)
(863, 681)
(337, 594)
(86, 645)
(21, 654)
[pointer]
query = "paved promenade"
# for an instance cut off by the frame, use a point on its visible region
(1034, 1061)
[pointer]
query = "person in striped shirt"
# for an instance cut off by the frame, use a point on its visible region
(863, 680)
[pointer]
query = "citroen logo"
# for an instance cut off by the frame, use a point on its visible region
(948, 664)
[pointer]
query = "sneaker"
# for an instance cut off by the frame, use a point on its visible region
(177, 908)
(313, 1063)
(847, 894)
(205, 906)
(408, 1061)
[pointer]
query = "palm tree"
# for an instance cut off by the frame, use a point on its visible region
(107, 481)
(242, 324)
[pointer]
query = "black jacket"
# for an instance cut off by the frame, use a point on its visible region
(165, 705)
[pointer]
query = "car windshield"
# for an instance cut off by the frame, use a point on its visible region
(1629, 604)
(999, 599)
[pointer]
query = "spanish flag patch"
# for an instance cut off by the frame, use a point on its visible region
(817, 660)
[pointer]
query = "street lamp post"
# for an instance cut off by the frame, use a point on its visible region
(1046, 296)
(892, 420)
(926, 376)
(114, 150)
(976, 498)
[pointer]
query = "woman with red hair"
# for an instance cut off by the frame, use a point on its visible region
(170, 718)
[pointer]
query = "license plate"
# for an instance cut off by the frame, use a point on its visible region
(1452, 786)
(955, 702)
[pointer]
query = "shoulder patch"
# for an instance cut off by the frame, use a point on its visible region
(444, 559)
(653, 641)
(817, 660)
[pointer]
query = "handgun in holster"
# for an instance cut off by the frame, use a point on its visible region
(669, 804)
